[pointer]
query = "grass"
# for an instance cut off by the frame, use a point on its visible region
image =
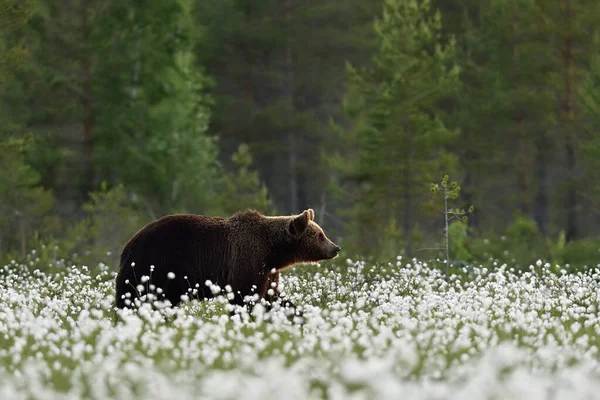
(396, 330)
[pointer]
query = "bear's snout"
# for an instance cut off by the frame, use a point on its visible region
(334, 250)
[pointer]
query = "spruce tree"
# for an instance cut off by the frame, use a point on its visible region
(399, 135)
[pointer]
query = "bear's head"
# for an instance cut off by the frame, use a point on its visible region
(308, 241)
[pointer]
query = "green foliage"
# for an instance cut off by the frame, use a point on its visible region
(13, 16)
(581, 255)
(110, 93)
(115, 89)
(522, 237)
(25, 204)
(523, 230)
(391, 241)
(590, 91)
(111, 216)
(556, 249)
(159, 112)
(458, 232)
(398, 128)
(158, 96)
(242, 188)
(590, 145)
(450, 191)
(276, 67)
(519, 246)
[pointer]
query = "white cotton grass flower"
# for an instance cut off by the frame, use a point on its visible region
(215, 289)
(394, 330)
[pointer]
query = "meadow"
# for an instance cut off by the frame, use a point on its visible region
(398, 330)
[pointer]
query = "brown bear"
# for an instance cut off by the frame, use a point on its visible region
(173, 257)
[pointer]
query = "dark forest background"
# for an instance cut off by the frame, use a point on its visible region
(113, 113)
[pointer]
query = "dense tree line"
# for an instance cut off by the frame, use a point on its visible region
(113, 113)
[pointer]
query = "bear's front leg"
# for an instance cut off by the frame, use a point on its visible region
(274, 299)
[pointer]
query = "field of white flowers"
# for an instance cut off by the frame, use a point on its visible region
(395, 331)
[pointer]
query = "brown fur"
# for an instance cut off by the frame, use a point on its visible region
(240, 251)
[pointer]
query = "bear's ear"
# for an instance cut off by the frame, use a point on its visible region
(299, 224)
(311, 214)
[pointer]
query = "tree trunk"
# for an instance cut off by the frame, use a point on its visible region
(540, 207)
(291, 135)
(572, 229)
(568, 126)
(87, 127)
(519, 119)
(22, 237)
(293, 178)
(408, 212)
(247, 80)
(523, 172)
(86, 105)
(320, 217)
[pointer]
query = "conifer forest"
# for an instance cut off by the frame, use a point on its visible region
(116, 113)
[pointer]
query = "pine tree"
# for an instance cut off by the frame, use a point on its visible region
(505, 109)
(590, 143)
(400, 137)
(278, 68)
(158, 110)
(115, 94)
(23, 201)
(572, 21)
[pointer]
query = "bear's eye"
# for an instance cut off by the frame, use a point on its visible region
(322, 236)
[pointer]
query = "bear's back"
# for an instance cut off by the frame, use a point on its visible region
(195, 248)
(177, 234)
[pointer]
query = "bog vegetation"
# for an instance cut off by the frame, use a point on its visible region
(380, 331)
